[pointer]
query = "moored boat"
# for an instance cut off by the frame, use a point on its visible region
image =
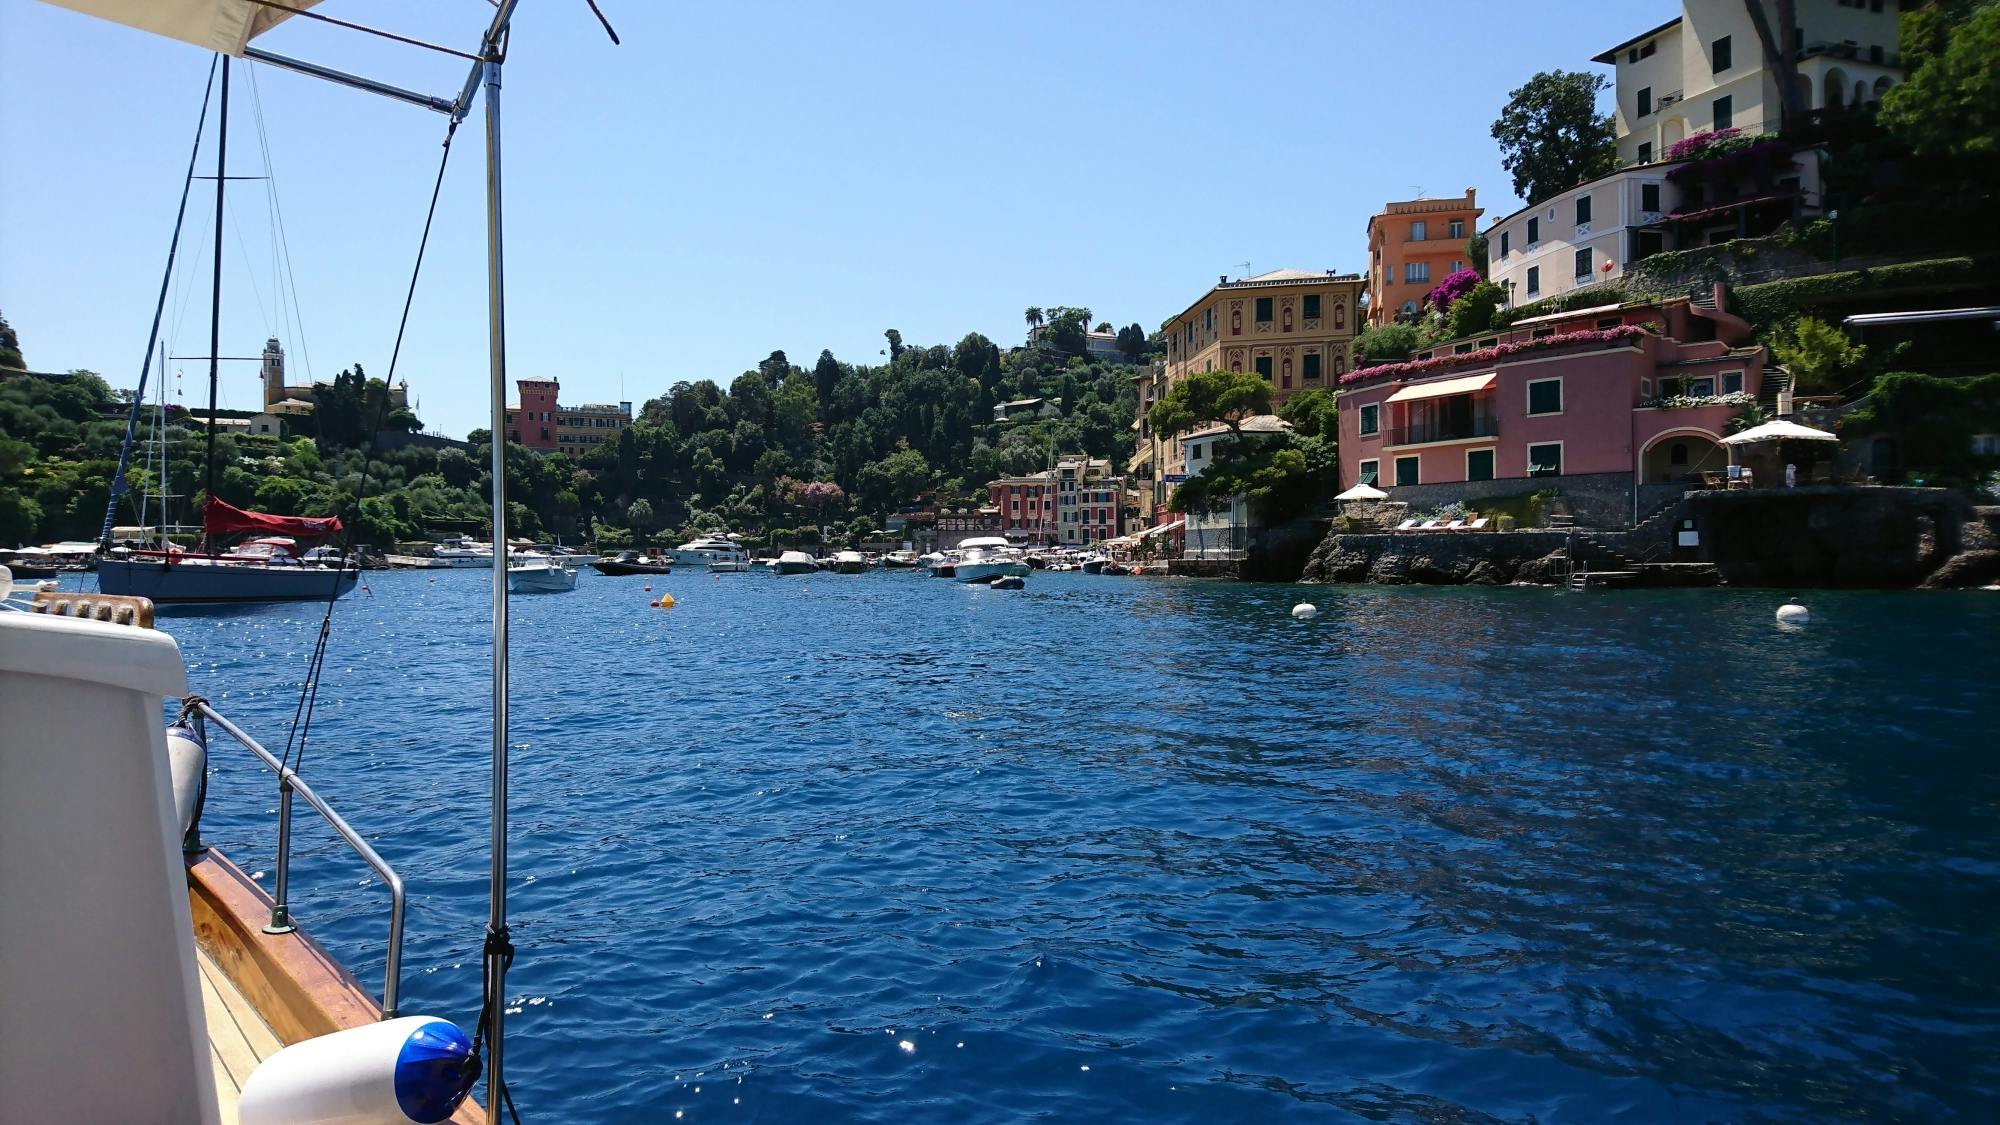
(849, 562)
(985, 558)
(794, 562)
(705, 549)
(631, 562)
(540, 576)
(900, 560)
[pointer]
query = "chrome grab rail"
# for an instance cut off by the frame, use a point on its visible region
(290, 782)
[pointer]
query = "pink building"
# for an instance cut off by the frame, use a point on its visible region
(1595, 402)
(1075, 504)
(1027, 506)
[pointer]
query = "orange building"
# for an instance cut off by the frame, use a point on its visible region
(1412, 246)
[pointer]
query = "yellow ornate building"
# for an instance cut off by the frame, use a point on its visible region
(1293, 327)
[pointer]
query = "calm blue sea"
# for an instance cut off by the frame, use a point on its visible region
(891, 849)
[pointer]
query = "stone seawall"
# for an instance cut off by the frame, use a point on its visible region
(1802, 538)
(1440, 558)
(1830, 535)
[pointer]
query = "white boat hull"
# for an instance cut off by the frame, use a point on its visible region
(204, 583)
(728, 566)
(541, 580)
(985, 571)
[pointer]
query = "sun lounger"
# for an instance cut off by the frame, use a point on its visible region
(1455, 525)
(1407, 525)
(1477, 525)
(1428, 525)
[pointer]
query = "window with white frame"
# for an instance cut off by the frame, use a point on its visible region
(1478, 464)
(1407, 471)
(1732, 382)
(1371, 471)
(1371, 419)
(1545, 459)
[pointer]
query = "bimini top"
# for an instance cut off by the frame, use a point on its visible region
(226, 26)
(984, 541)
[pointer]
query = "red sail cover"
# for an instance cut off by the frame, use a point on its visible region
(223, 518)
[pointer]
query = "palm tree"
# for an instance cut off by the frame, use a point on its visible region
(1749, 418)
(1035, 317)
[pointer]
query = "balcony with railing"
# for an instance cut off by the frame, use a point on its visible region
(1447, 425)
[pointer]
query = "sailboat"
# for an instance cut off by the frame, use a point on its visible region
(126, 938)
(270, 569)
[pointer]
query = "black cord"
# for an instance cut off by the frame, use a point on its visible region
(302, 715)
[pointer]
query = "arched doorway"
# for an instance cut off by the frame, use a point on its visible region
(1806, 91)
(1672, 132)
(1682, 455)
(1836, 89)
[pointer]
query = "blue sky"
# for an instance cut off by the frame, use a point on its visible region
(742, 177)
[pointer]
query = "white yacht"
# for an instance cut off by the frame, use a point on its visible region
(464, 553)
(705, 549)
(540, 575)
(850, 562)
(985, 558)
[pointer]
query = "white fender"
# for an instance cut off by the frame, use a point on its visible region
(1304, 610)
(416, 1068)
(1792, 613)
(187, 764)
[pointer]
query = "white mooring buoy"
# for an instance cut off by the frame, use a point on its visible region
(1792, 613)
(1304, 610)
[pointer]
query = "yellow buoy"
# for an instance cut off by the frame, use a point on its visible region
(666, 601)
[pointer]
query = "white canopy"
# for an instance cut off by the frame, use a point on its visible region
(1776, 431)
(1363, 492)
(985, 541)
(214, 25)
(1162, 529)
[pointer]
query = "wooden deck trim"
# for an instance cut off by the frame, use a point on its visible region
(294, 984)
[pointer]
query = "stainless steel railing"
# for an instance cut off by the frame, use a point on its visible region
(289, 782)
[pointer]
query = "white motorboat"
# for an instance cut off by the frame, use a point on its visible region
(794, 562)
(705, 549)
(849, 562)
(985, 558)
(901, 560)
(464, 553)
(541, 575)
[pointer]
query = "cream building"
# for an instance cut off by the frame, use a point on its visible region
(1705, 70)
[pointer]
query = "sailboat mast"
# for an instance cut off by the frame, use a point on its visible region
(159, 309)
(215, 289)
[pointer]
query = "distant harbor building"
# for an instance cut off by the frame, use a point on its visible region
(956, 525)
(1705, 70)
(1096, 345)
(1078, 503)
(296, 400)
(539, 421)
(1022, 409)
(1225, 532)
(1414, 245)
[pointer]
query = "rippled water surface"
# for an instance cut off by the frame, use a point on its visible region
(888, 848)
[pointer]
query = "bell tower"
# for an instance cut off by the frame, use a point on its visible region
(273, 372)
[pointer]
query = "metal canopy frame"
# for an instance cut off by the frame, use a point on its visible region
(485, 73)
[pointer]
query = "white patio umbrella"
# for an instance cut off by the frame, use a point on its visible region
(1363, 492)
(1776, 431)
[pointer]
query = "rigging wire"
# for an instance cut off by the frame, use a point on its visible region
(302, 715)
(159, 307)
(284, 242)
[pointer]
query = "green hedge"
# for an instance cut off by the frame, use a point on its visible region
(1562, 302)
(1773, 303)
